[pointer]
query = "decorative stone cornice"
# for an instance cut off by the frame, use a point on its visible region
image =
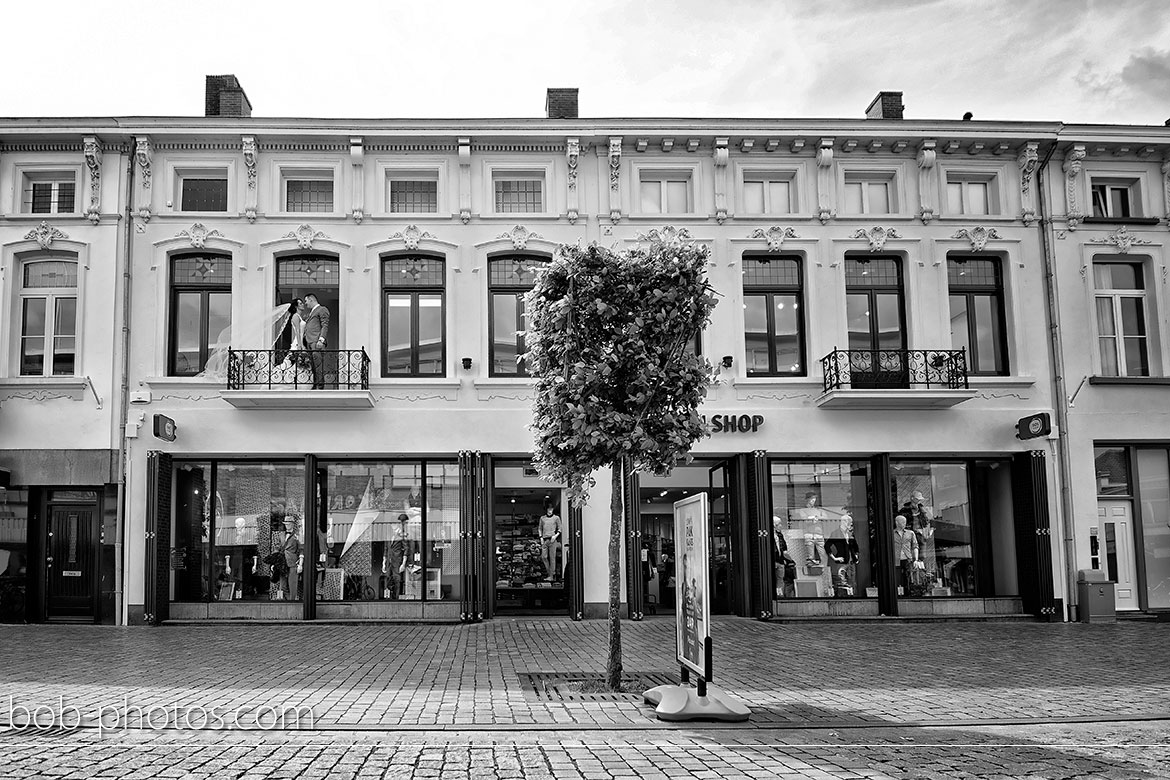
(411, 235)
(978, 236)
(775, 236)
(1029, 156)
(927, 175)
(305, 236)
(1120, 238)
(667, 234)
(92, 149)
(1073, 162)
(825, 181)
(519, 236)
(876, 236)
(198, 234)
(250, 150)
(44, 234)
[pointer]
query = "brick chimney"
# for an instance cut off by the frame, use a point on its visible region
(225, 97)
(561, 103)
(887, 105)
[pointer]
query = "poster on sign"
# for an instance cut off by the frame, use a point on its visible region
(693, 627)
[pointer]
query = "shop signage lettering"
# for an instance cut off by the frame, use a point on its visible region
(734, 423)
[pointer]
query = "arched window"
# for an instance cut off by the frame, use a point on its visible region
(48, 316)
(201, 310)
(413, 325)
(773, 316)
(509, 278)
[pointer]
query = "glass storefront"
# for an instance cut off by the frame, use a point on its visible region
(822, 531)
(933, 536)
(14, 555)
(1153, 466)
(530, 529)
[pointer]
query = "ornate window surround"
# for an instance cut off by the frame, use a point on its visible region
(179, 168)
(403, 167)
(57, 166)
(543, 168)
(995, 175)
(658, 168)
(1139, 175)
(283, 169)
(893, 171)
(796, 173)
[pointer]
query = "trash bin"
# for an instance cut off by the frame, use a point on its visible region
(1095, 597)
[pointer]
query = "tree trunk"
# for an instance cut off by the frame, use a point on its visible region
(613, 666)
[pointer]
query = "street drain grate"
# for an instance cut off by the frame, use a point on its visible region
(583, 686)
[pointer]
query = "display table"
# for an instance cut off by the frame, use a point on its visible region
(532, 598)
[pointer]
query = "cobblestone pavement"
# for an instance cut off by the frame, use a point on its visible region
(840, 700)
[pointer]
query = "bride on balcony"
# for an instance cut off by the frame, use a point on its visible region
(283, 365)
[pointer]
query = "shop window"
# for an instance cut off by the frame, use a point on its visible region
(510, 277)
(977, 313)
(530, 556)
(773, 295)
(47, 308)
(413, 194)
(413, 316)
(769, 192)
(822, 537)
(258, 519)
(666, 192)
(1111, 466)
(1121, 312)
(971, 194)
(14, 556)
(933, 534)
(1115, 198)
(1153, 469)
(201, 310)
(203, 190)
(191, 539)
(869, 193)
(49, 192)
(308, 191)
(390, 532)
(518, 193)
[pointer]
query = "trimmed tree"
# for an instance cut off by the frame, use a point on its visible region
(609, 338)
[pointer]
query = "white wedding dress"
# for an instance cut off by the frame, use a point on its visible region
(255, 369)
(295, 372)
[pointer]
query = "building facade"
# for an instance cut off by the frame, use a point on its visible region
(888, 290)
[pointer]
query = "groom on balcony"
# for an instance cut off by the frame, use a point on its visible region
(316, 337)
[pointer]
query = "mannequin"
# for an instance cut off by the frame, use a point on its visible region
(843, 556)
(548, 528)
(905, 551)
(783, 567)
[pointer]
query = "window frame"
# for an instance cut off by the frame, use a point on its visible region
(890, 177)
(320, 172)
(518, 175)
(873, 290)
(999, 309)
(188, 173)
(55, 176)
(1116, 295)
(766, 175)
(402, 176)
(204, 289)
(414, 292)
(768, 293)
(1131, 185)
(519, 291)
(662, 177)
(51, 296)
(965, 178)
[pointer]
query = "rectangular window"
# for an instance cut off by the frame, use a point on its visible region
(767, 193)
(1153, 468)
(971, 195)
(773, 321)
(313, 195)
(869, 193)
(821, 534)
(414, 196)
(509, 278)
(413, 335)
(48, 317)
(1122, 340)
(1115, 198)
(518, 194)
(203, 194)
(48, 193)
(1111, 466)
(665, 193)
(201, 311)
(977, 313)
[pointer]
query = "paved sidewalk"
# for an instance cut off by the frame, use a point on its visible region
(461, 677)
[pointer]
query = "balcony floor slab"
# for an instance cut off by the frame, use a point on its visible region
(917, 398)
(299, 399)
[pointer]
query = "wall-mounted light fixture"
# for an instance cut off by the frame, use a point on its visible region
(466, 364)
(727, 361)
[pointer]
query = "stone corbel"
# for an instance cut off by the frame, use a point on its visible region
(826, 184)
(142, 182)
(615, 179)
(1027, 160)
(572, 157)
(464, 180)
(721, 153)
(93, 162)
(1166, 186)
(927, 181)
(250, 151)
(1073, 162)
(357, 159)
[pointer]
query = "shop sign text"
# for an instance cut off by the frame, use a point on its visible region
(734, 423)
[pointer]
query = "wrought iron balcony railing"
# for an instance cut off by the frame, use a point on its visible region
(894, 369)
(282, 369)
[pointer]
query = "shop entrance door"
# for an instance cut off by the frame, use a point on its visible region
(529, 551)
(72, 562)
(1116, 550)
(719, 524)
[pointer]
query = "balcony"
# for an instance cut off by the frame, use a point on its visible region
(280, 379)
(894, 379)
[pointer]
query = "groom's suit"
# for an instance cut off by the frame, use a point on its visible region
(316, 339)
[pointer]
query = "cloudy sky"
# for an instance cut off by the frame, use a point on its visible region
(1068, 60)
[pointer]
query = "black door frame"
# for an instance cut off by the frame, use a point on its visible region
(47, 507)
